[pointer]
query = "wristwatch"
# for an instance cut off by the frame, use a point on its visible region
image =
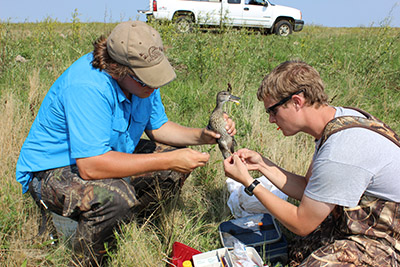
(250, 188)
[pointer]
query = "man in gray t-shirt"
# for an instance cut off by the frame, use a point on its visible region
(353, 162)
(350, 196)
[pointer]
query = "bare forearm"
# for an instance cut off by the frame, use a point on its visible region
(116, 164)
(283, 211)
(302, 219)
(177, 135)
(291, 184)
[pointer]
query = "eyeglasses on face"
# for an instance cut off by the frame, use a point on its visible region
(272, 109)
(137, 80)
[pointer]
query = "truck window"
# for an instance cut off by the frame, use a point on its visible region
(234, 1)
(255, 2)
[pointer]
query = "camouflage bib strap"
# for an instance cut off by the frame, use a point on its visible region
(370, 122)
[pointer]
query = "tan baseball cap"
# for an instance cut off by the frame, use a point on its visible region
(139, 46)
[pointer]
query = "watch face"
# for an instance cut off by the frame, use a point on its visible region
(246, 189)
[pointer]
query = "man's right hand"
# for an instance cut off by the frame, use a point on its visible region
(186, 160)
(250, 158)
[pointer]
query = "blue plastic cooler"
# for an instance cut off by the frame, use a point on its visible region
(259, 231)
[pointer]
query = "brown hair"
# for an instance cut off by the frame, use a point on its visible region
(290, 77)
(103, 61)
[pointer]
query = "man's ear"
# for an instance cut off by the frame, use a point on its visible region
(298, 101)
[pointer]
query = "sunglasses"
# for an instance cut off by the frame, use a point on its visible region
(137, 80)
(272, 109)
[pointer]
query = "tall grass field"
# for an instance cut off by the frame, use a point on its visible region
(360, 68)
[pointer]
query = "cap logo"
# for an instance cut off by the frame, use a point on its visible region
(154, 53)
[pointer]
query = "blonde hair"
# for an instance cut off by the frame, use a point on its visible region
(290, 77)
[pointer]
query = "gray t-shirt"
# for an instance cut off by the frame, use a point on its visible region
(354, 161)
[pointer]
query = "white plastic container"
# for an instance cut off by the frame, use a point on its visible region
(213, 258)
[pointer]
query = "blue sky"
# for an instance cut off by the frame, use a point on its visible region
(339, 13)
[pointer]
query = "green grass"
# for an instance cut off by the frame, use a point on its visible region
(360, 67)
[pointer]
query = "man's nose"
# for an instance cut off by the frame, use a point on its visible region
(271, 118)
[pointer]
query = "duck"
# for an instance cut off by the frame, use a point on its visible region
(217, 123)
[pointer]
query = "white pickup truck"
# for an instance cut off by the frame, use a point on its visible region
(261, 14)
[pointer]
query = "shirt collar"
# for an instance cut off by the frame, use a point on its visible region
(120, 94)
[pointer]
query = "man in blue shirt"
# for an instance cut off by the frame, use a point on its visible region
(89, 125)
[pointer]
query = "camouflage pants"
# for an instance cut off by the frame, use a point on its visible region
(99, 205)
(367, 235)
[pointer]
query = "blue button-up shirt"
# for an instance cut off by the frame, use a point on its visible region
(85, 114)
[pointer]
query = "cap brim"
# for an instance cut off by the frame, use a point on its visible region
(156, 76)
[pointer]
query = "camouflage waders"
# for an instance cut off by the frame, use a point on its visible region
(99, 205)
(366, 235)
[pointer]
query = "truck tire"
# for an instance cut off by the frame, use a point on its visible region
(283, 28)
(184, 24)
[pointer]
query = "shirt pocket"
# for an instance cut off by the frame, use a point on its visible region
(142, 112)
(119, 135)
(139, 121)
(120, 125)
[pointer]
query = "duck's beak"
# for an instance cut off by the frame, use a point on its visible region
(235, 99)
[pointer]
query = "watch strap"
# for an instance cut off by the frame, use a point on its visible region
(250, 188)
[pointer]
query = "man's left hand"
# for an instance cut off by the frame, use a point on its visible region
(210, 137)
